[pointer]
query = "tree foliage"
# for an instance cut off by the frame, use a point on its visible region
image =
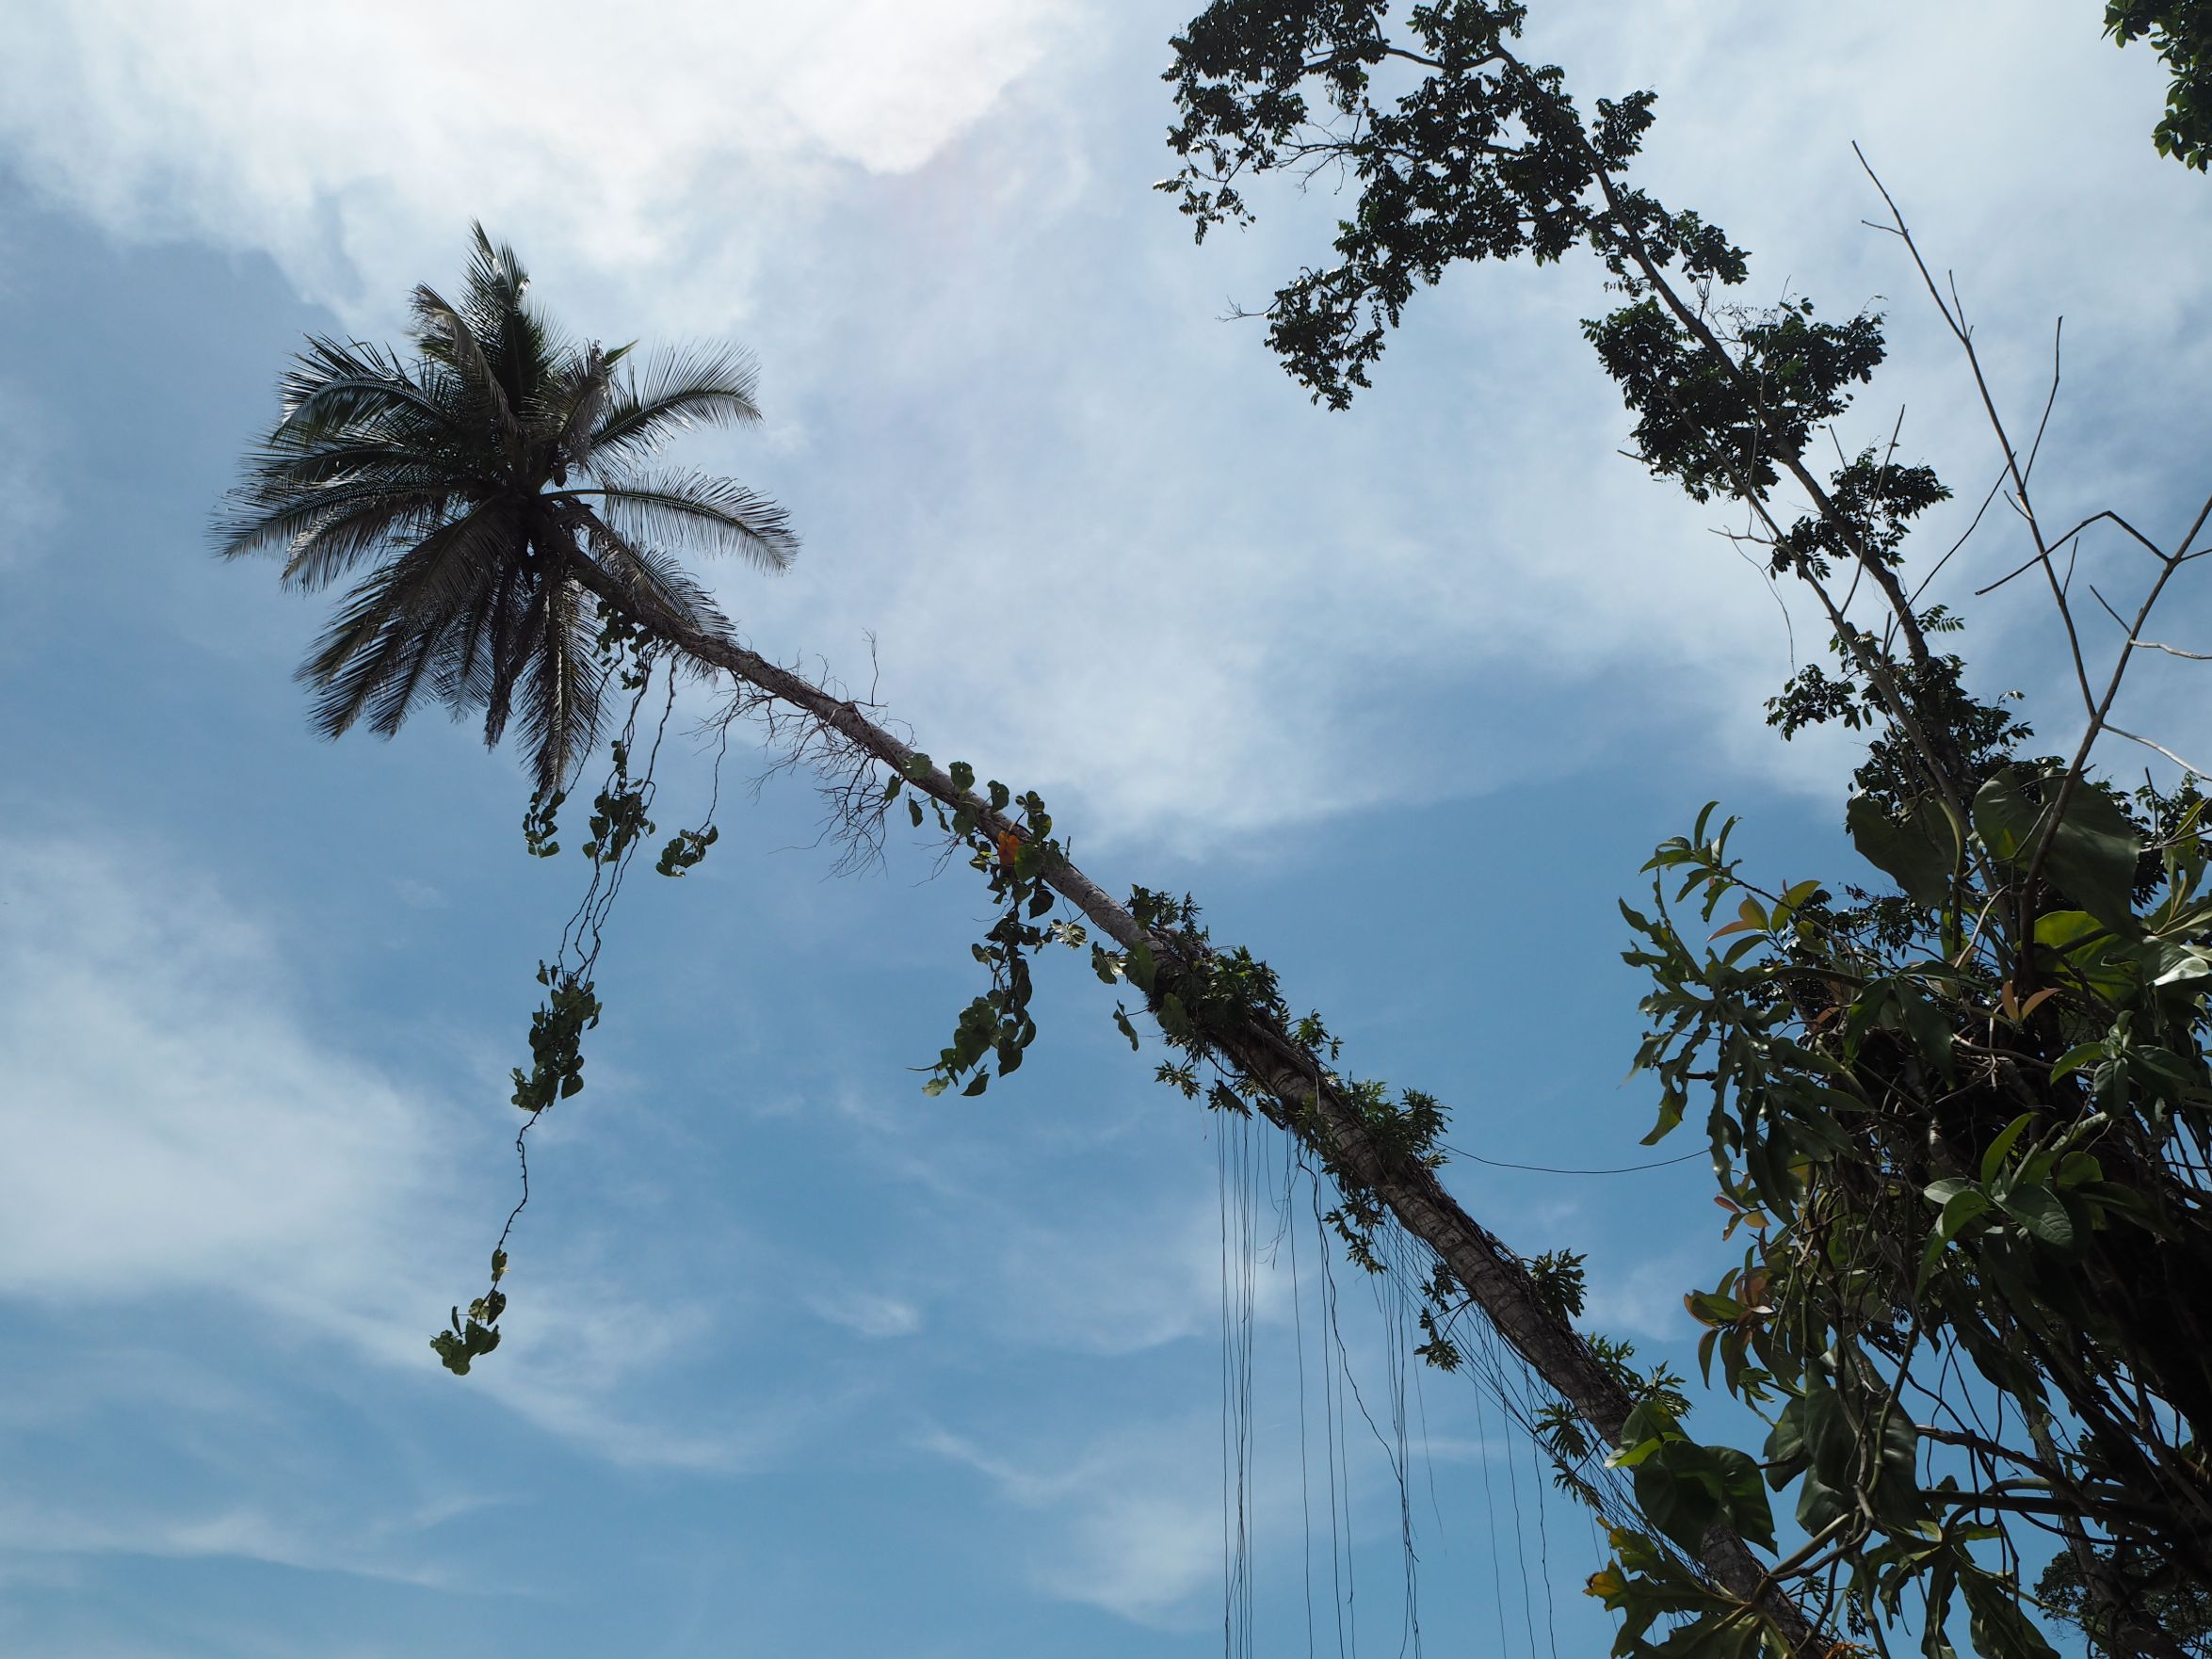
(1962, 1126)
(2180, 31)
(472, 480)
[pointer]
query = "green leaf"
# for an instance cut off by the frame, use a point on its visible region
(1631, 1456)
(1140, 966)
(1994, 1159)
(1122, 1023)
(1678, 1491)
(1927, 1025)
(2004, 818)
(1746, 1501)
(1963, 1208)
(2069, 931)
(2188, 963)
(2094, 852)
(2076, 1167)
(2042, 1213)
(2080, 1054)
(1919, 848)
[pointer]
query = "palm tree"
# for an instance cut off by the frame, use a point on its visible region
(491, 496)
(449, 476)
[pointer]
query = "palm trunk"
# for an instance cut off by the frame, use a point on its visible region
(1299, 1094)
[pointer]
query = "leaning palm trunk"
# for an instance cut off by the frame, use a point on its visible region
(1294, 1093)
(496, 481)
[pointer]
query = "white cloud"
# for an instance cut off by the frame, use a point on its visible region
(346, 138)
(178, 1128)
(1644, 1298)
(1133, 1522)
(868, 1314)
(173, 1126)
(1066, 1264)
(241, 1534)
(1107, 551)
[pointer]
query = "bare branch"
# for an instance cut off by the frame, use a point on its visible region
(2188, 766)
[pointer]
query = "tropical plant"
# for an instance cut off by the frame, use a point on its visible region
(2180, 31)
(491, 484)
(1965, 1126)
(1219, 1009)
(1962, 1122)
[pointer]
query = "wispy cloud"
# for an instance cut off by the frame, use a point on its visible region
(1134, 1520)
(1224, 612)
(868, 1314)
(157, 119)
(180, 1127)
(240, 1533)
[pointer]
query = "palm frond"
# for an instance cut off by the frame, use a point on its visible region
(488, 396)
(660, 583)
(423, 480)
(581, 390)
(333, 386)
(466, 675)
(682, 509)
(515, 337)
(332, 530)
(561, 700)
(364, 650)
(516, 630)
(419, 594)
(361, 456)
(679, 389)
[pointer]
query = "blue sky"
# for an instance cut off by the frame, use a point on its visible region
(801, 1361)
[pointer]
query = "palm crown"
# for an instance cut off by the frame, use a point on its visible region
(482, 492)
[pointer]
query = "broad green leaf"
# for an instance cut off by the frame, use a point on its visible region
(1963, 1208)
(1785, 1445)
(1919, 848)
(2094, 854)
(2186, 962)
(1746, 1502)
(1994, 1159)
(1630, 1456)
(2076, 1057)
(1678, 1491)
(2039, 1211)
(2076, 1167)
(2068, 931)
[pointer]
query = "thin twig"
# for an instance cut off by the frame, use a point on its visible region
(2187, 767)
